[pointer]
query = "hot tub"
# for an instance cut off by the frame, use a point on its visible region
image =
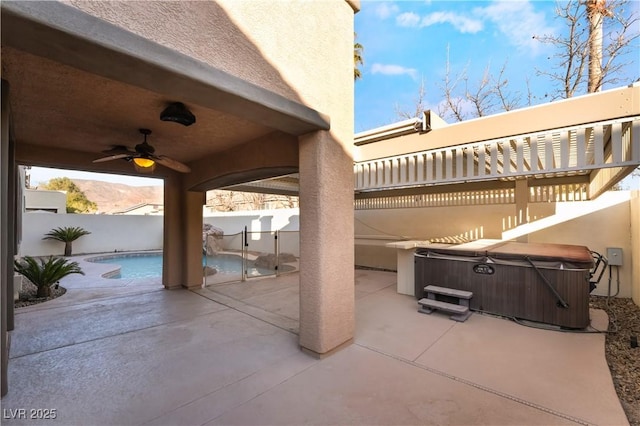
(546, 283)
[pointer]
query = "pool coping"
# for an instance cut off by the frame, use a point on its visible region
(117, 269)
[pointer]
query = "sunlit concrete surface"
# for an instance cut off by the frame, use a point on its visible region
(135, 354)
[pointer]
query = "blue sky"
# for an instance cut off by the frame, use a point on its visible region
(407, 41)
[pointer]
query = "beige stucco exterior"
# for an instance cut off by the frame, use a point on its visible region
(271, 85)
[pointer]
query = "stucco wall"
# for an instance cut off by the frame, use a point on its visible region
(484, 221)
(375, 228)
(108, 233)
(252, 40)
(255, 221)
(599, 230)
(260, 224)
(378, 227)
(127, 232)
(45, 200)
(618, 226)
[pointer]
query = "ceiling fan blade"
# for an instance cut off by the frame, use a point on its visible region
(171, 163)
(119, 149)
(112, 157)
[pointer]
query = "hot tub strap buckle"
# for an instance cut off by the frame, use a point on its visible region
(561, 301)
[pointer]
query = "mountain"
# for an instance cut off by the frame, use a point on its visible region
(114, 197)
(117, 197)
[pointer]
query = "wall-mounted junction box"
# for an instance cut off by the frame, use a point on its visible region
(614, 256)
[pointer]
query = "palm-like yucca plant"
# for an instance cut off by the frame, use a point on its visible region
(357, 58)
(66, 234)
(45, 273)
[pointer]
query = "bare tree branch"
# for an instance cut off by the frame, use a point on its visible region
(508, 101)
(585, 20)
(481, 96)
(453, 104)
(419, 104)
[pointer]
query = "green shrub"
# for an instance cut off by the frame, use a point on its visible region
(67, 235)
(45, 273)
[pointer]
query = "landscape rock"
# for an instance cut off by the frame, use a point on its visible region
(211, 239)
(208, 271)
(269, 260)
(621, 354)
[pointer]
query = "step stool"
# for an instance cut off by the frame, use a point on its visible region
(460, 310)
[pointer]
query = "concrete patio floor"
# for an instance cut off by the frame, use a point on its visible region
(132, 353)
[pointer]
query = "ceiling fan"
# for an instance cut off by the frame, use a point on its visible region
(143, 156)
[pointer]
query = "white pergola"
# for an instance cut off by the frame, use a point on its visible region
(554, 153)
(572, 150)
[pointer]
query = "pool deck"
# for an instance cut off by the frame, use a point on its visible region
(132, 353)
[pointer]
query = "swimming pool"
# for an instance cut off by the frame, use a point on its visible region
(149, 265)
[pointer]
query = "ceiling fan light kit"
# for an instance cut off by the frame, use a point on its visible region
(178, 113)
(144, 165)
(143, 157)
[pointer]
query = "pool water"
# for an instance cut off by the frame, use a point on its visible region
(141, 266)
(150, 265)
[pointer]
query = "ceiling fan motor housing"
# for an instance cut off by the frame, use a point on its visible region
(144, 148)
(178, 113)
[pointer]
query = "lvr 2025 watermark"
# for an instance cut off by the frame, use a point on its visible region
(29, 413)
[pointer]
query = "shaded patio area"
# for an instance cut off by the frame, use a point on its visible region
(228, 354)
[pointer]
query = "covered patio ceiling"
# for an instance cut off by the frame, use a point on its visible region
(79, 86)
(60, 107)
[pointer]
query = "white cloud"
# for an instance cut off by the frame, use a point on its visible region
(384, 10)
(389, 69)
(459, 22)
(518, 22)
(408, 19)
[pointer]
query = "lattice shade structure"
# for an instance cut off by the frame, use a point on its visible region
(555, 153)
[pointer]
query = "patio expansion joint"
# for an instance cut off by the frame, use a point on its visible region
(434, 342)
(220, 299)
(235, 383)
(97, 339)
(481, 387)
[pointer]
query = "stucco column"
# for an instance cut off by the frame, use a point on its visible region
(172, 234)
(326, 243)
(522, 206)
(193, 202)
(182, 238)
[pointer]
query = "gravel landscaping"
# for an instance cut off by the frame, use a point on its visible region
(29, 292)
(622, 357)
